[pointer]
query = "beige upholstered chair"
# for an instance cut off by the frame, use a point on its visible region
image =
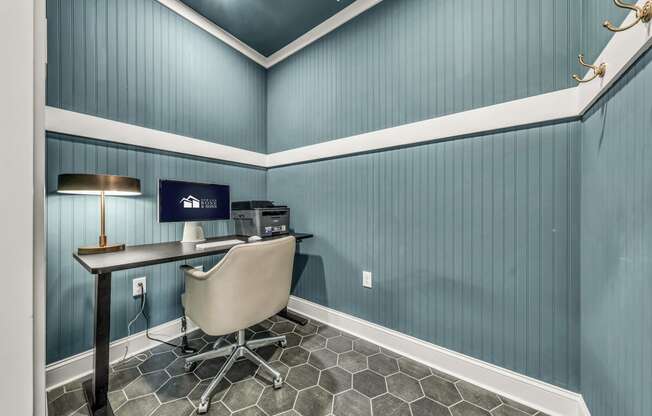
(251, 283)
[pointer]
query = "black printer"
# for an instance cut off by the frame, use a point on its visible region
(261, 218)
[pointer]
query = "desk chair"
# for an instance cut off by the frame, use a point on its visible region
(250, 283)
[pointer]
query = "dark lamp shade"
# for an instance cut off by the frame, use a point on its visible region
(91, 184)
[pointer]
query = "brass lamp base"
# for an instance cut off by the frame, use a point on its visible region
(109, 248)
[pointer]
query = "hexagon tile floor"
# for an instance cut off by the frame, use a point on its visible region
(327, 372)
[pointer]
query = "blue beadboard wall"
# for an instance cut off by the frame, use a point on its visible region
(594, 36)
(473, 244)
(138, 62)
(616, 247)
(409, 60)
(73, 221)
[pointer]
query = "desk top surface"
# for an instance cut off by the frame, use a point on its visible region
(149, 254)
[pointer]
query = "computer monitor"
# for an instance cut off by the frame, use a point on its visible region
(191, 202)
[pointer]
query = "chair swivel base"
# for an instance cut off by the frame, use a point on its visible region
(234, 351)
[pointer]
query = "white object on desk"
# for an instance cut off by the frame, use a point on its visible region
(217, 244)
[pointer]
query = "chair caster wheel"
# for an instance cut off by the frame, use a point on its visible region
(189, 367)
(283, 344)
(278, 383)
(202, 408)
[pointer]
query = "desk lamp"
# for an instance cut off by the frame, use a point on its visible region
(102, 185)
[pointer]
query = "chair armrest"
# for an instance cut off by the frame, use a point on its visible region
(192, 272)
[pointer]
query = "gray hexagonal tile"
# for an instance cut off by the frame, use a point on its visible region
(209, 368)
(467, 409)
(270, 352)
(314, 401)
(443, 375)
(505, 410)
(140, 406)
(177, 387)
(413, 368)
(117, 398)
(67, 403)
(217, 409)
(307, 329)
(404, 387)
(352, 361)
(440, 390)
(369, 383)
(313, 342)
(121, 379)
(180, 407)
(283, 327)
(328, 332)
(518, 406)
(292, 340)
(351, 403)
(294, 356)
(390, 405)
(335, 380)
(477, 395)
(339, 344)
(383, 364)
(146, 384)
(323, 359)
(427, 407)
(261, 326)
(263, 376)
(157, 362)
(303, 376)
(365, 347)
(274, 401)
(390, 353)
(219, 392)
(177, 367)
(242, 394)
(241, 370)
(251, 411)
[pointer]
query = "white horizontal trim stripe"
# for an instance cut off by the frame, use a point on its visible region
(202, 22)
(539, 395)
(620, 54)
(84, 125)
(293, 47)
(327, 26)
(80, 365)
(549, 107)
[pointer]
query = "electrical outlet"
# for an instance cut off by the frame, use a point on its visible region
(136, 292)
(366, 279)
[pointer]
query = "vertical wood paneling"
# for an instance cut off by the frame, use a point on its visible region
(138, 62)
(616, 241)
(594, 36)
(470, 243)
(72, 221)
(404, 61)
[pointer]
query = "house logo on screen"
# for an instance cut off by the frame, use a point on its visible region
(192, 202)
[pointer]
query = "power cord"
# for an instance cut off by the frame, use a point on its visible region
(140, 357)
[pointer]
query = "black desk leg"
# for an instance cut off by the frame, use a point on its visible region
(96, 389)
(293, 317)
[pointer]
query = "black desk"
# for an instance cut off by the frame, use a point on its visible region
(102, 265)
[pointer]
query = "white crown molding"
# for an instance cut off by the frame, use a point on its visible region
(558, 105)
(86, 126)
(327, 26)
(539, 395)
(202, 22)
(80, 365)
(620, 53)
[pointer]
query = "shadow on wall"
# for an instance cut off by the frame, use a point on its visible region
(309, 272)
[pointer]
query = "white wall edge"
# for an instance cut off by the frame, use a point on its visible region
(620, 54)
(80, 365)
(200, 21)
(84, 125)
(558, 105)
(553, 400)
(354, 9)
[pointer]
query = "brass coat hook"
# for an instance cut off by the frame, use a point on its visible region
(643, 14)
(598, 70)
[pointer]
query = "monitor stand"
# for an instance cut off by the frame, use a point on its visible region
(192, 232)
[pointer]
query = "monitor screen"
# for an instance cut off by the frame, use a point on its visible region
(192, 201)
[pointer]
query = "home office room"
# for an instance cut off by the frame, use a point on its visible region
(326, 207)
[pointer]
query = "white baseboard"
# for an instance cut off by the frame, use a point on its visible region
(80, 365)
(550, 399)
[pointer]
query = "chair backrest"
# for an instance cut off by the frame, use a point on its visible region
(250, 283)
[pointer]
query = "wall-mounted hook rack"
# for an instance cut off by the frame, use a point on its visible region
(643, 14)
(598, 70)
